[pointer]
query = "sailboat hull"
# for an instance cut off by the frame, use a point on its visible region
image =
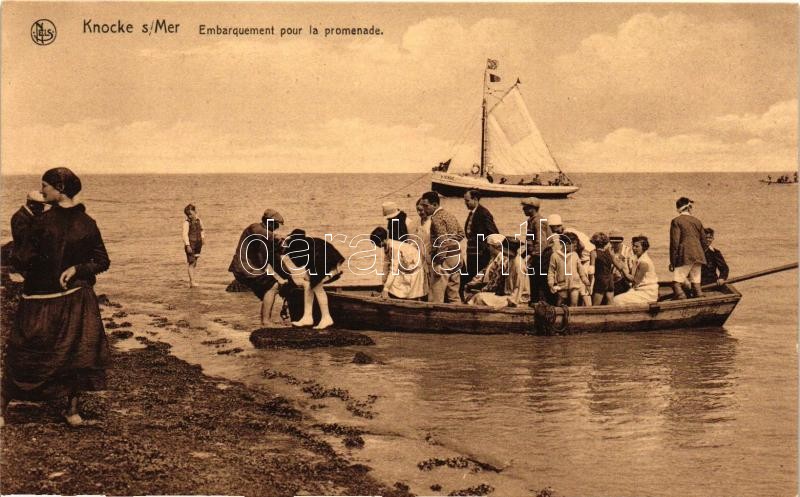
(452, 185)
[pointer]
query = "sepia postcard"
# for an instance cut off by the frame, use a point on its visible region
(396, 249)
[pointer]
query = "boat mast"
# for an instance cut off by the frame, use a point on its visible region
(483, 124)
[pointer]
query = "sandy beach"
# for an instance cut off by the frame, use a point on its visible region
(165, 427)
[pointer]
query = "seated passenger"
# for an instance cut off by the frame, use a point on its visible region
(566, 276)
(515, 289)
(406, 275)
(715, 270)
(490, 278)
(644, 280)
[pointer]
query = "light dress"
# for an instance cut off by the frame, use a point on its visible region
(646, 291)
(406, 275)
(516, 286)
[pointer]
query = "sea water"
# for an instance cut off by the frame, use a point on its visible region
(709, 412)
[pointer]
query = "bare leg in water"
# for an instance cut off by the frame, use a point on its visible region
(322, 299)
(308, 302)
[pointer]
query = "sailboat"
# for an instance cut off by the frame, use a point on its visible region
(511, 158)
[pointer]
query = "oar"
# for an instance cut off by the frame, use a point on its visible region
(744, 277)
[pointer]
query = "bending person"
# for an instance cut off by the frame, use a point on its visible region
(254, 263)
(406, 275)
(644, 281)
(312, 262)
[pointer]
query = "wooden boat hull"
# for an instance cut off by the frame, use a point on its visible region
(360, 307)
(451, 185)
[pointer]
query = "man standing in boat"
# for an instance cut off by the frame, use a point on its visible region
(538, 249)
(479, 225)
(687, 246)
(446, 234)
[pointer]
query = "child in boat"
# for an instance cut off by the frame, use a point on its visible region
(715, 270)
(193, 237)
(566, 275)
(602, 266)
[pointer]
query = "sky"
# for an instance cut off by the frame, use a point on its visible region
(612, 87)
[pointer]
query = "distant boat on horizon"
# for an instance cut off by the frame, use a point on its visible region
(511, 146)
(780, 180)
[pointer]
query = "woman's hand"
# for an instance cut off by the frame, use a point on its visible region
(67, 275)
(385, 294)
(188, 249)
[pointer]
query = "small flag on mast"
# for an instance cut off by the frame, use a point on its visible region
(493, 78)
(491, 64)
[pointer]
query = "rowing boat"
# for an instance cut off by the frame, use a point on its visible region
(361, 307)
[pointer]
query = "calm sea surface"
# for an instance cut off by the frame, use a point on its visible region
(680, 413)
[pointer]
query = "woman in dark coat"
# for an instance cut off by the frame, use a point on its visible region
(312, 262)
(58, 346)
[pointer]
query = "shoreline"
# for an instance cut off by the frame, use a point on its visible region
(164, 427)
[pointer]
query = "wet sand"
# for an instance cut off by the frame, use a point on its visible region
(166, 428)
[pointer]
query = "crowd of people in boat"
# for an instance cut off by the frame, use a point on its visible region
(554, 263)
(560, 180)
(784, 178)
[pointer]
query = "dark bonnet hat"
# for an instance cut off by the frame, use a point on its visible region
(63, 180)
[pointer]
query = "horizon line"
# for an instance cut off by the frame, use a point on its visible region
(3, 173)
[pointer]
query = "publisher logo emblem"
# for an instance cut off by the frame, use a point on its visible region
(43, 32)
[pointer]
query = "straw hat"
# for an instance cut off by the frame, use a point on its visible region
(495, 239)
(390, 209)
(554, 220)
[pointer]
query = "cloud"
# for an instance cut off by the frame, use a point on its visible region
(340, 145)
(657, 54)
(778, 123)
(727, 143)
(659, 73)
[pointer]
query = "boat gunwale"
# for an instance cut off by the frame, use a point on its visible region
(731, 295)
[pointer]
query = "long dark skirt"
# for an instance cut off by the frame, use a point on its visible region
(58, 346)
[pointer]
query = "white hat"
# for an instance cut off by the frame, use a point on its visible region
(495, 239)
(554, 220)
(390, 209)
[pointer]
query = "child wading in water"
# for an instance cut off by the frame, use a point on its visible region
(192, 240)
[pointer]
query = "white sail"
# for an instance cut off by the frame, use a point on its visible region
(466, 152)
(515, 145)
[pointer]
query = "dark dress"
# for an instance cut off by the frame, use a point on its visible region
(603, 272)
(255, 262)
(316, 255)
(58, 345)
(397, 226)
